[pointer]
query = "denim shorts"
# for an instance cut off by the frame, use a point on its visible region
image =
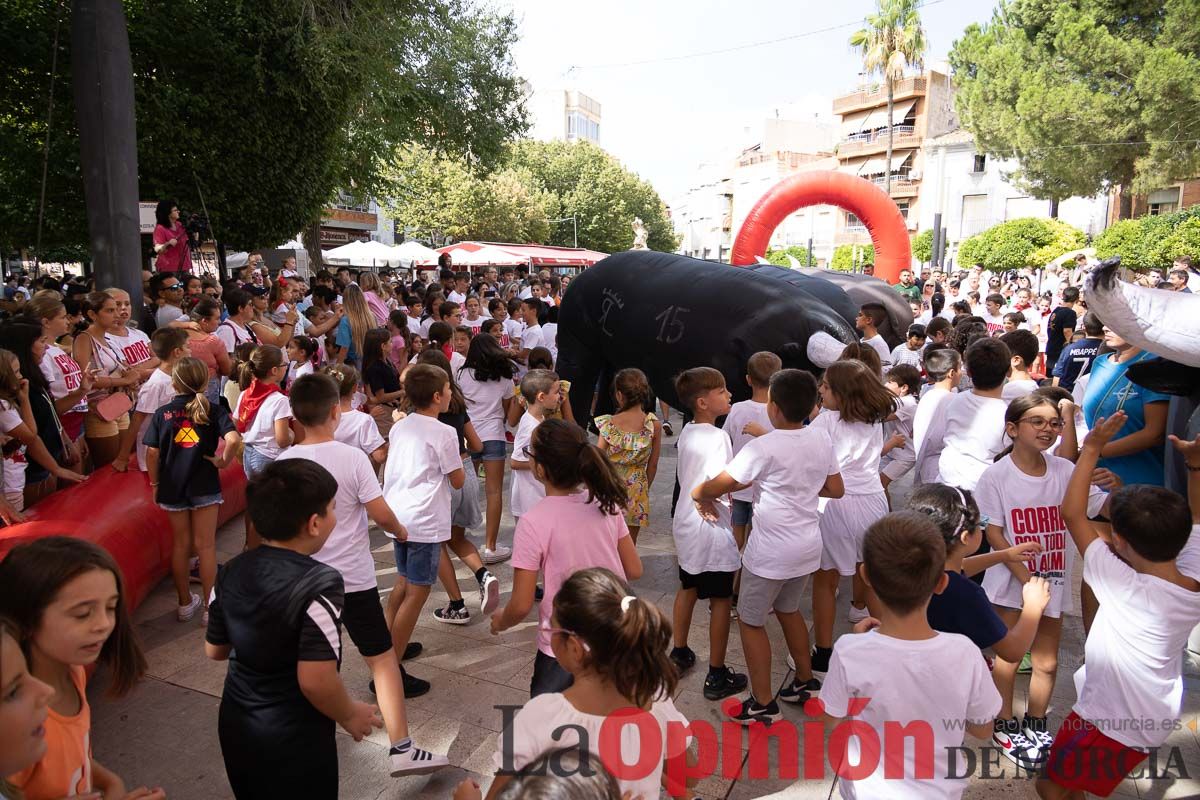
(742, 512)
(417, 562)
(493, 450)
(203, 501)
(254, 462)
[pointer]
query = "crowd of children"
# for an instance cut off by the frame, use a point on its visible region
(402, 421)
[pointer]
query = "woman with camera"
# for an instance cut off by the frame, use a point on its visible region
(170, 240)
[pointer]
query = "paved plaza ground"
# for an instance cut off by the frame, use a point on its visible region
(165, 732)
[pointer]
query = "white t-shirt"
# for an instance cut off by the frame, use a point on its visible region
(425, 326)
(858, 446)
(902, 354)
(167, 314)
(526, 489)
(155, 393)
(14, 463)
(63, 373)
(1019, 388)
(1026, 508)
(360, 431)
(261, 432)
(934, 684)
(485, 404)
(457, 360)
(927, 460)
(906, 411)
(1132, 670)
(456, 297)
(788, 469)
(739, 415)
(531, 337)
(550, 339)
(348, 549)
(513, 329)
(547, 716)
(232, 334)
(421, 453)
(880, 346)
(297, 370)
(972, 434)
(134, 346)
(700, 545)
(995, 324)
(414, 325)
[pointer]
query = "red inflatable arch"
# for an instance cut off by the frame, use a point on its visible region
(864, 199)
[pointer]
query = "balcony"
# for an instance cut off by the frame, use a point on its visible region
(870, 142)
(871, 96)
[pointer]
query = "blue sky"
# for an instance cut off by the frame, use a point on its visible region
(663, 118)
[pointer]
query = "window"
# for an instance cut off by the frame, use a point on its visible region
(974, 215)
(853, 223)
(1164, 201)
(980, 164)
(903, 206)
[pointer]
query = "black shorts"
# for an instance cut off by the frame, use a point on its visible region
(362, 617)
(708, 585)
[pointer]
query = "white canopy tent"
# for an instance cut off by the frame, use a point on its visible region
(416, 254)
(363, 254)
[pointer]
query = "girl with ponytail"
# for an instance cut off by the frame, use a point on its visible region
(181, 460)
(1020, 495)
(613, 647)
(579, 523)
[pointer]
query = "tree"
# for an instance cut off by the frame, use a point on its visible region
(592, 186)
(1152, 242)
(1026, 242)
(267, 109)
(779, 256)
(922, 245)
(1032, 85)
(892, 41)
(441, 195)
(844, 256)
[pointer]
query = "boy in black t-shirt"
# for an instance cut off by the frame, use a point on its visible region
(276, 616)
(1060, 327)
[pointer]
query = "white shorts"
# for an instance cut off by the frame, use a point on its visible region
(895, 470)
(843, 525)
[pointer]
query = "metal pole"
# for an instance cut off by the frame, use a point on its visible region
(942, 248)
(809, 263)
(937, 235)
(575, 231)
(104, 108)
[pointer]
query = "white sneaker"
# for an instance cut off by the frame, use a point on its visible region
(857, 614)
(185, 613)
(415, 761)
(489, 593)
(501, 553)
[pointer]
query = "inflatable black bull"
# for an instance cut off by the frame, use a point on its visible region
(665, 313)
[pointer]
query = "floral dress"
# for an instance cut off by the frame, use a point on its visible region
(629, 453)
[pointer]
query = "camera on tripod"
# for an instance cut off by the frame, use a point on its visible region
(197, 228)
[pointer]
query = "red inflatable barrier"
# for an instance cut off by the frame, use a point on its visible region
(116, 510)
(882, 217)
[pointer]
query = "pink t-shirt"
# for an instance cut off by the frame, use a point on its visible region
(177, 257)
(560, 536)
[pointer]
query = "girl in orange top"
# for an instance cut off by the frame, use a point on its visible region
(66, 596)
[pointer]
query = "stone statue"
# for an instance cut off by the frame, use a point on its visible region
(640, 234)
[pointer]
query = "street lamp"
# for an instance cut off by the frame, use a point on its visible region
(574, 228)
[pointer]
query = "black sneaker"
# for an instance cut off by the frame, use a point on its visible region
(723, 683)
(799, 691)
(750, 712)
(667, 429)
(820, 661)
(683, 658)
(1007, 735)
(413, 687)
(412, 650)
(452, 615)
(1035, 730)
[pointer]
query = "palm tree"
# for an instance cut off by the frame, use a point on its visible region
(892, 41)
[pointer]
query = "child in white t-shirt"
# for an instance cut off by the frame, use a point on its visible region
(910, 351)
(789, 467)
(531, 336)
(302, 354)
(540, 388)
(423, 463)
(905, 675)
(168, 345)
(1146, 577)
(898, 455)
(704, 544)
(1023, 347)
(355, 428)
(746, 420)
(970, 428)
(854, 406)
(1020, 495)
(262, 414)
(943, 367)
(870, 317)
(613, 646)
(315, 404)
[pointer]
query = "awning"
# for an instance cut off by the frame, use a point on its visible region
(899, 112)
(854, 123)
(877, 166)
(876, 118)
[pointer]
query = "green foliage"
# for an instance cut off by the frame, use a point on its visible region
(779, 256)
(1026, 242)
(267, 108)
(1152, 242)
(843, 256)
(922, 245)
(1032, 85)
(536, 182)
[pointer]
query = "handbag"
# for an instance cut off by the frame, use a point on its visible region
(113, 407)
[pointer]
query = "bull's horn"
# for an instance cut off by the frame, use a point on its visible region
(823, 349)
(1162, 322)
